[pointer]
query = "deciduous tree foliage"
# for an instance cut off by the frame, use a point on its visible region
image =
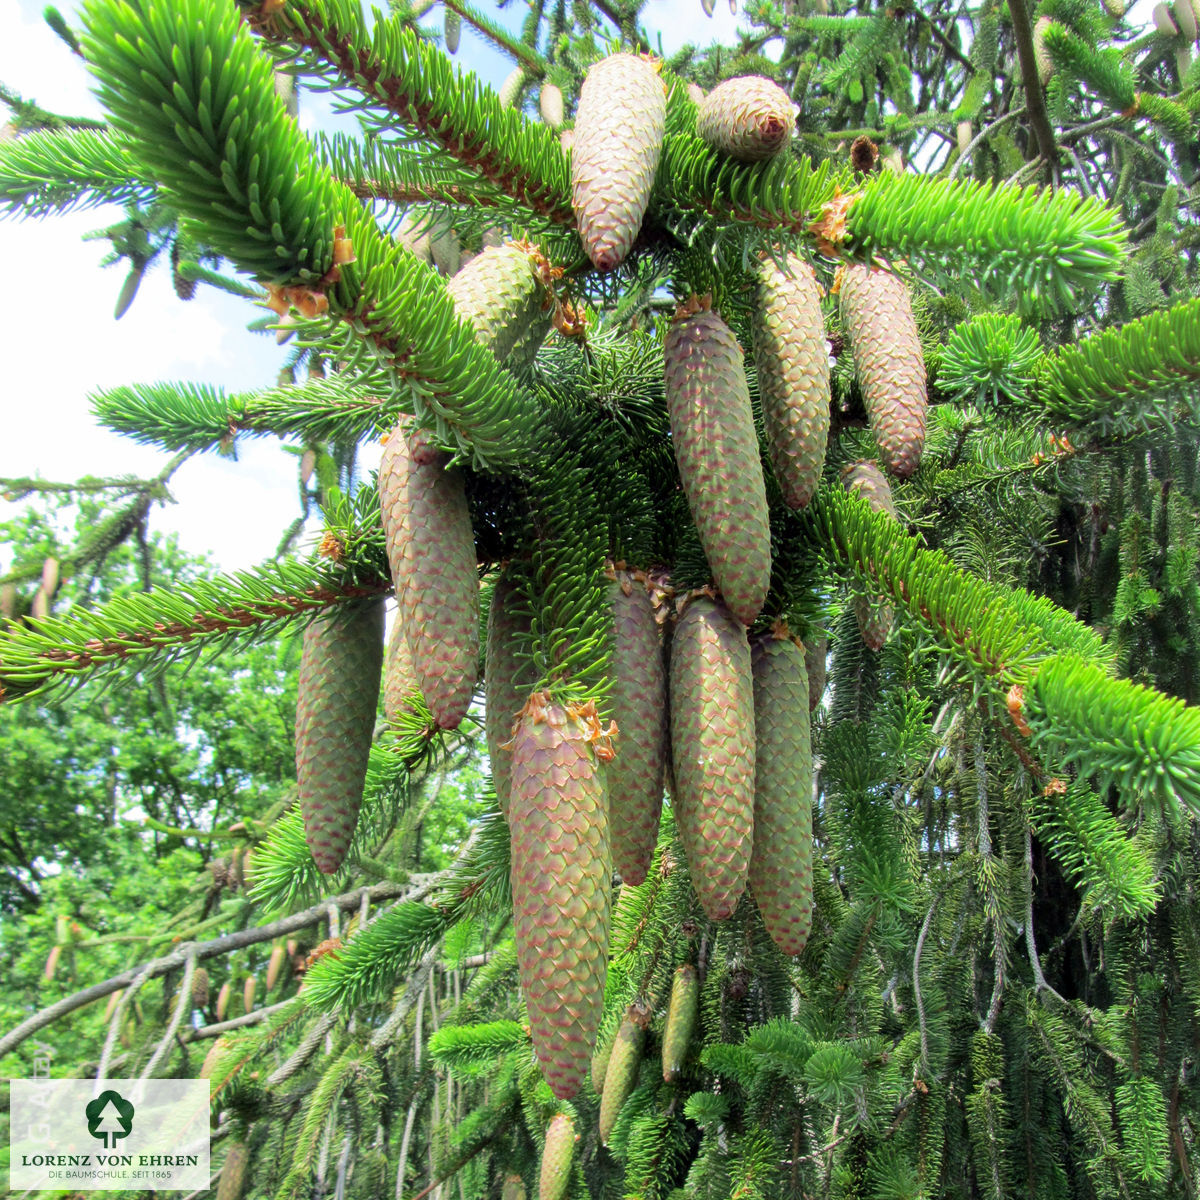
(998, 993)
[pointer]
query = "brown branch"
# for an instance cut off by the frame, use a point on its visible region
(225, 944)
(1035, 97)
(419, 193)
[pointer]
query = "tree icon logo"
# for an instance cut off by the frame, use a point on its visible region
(109, 1116)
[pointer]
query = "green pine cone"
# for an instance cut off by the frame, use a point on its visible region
(600, 1059)
(622, 1071)
(233, 1171)
(683, 1011)
(875, 613)
(781, 868)
(335, 718)
(558, 1153)
(431, 549)
(619, 128)
(502, 294)
(716, 448)
(514, 1188)
(504, 696)
(712, 748)
(878, 314)
(399, 676)
(792, 359)
(561, 884)
(639, 707)
(750, 118)
(452, 26)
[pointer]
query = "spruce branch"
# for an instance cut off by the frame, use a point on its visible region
(525, 56)
(133, 631)
(54, 171)
(221, 141)
(418, 87)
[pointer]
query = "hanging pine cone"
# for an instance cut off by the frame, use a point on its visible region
(875, 613)
(558, 1155)
(816, 652)
(233, 1171)
(781, 868)
(561, 878)
(619, 128)
(879, 318)
(712, 749)
(504, 695)
(623, 1064)
(749, 118)
(431, 549)
(712, 433)
(503, 292)
(639, 705)
(400, 685)
(791, 355)
(335, 718)
(683, 1010)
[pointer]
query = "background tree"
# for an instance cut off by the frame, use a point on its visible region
(997, 994)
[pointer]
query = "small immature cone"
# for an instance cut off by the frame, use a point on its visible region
(52, 962)
(335, 718)
(874, 613)
(502, 293)
(510, 89)
(683, 1011)
(781, 868)
(712, 750)
(550, 105)
(749, 118)
(215, 1053)
(600, 1059)
(639, 705)
(399, 676)
(716, 448)
(791, 355)
(431, 549)
(558, 1153)
(248, 990)
(816, 652)
(200, 987)
(514, 1188)
(503, 694)
(619, 127)
(879, 318)
(452, 26)
(223, 1000)
(233, 1172)
(623, 1066)
(561, 883)
(275, 966)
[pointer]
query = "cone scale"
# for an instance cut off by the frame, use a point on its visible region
(561, 879)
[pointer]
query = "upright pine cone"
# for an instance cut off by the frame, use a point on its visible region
(503, 293)
(712, 748)
(792, 358)
(712, 431)
(749, 118)
(503, 694)
(875, 613)
(682, 1012)
(399, 677)
(639, 704)
(335, 718)
(619, 128)
(781, 868)
(200, 987)
(233, 1171)
(558, 1153)
(878, 314)
(623, 1066)
(561, 877)
(432, 553)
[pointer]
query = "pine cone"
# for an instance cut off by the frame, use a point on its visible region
(875, 614)
(619, 128)
(639, 706)
(791, 355)
(781, 868)
(622, 1072)
(749, 118)
(558, 1154)
(561, 879)
(682, 1013)
(431, 549)
(712, 431)
(504, 695)
(878, 314)
(335, 719)
(712, 744)
(399, 677)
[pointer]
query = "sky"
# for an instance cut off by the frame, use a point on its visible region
(60, 342)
